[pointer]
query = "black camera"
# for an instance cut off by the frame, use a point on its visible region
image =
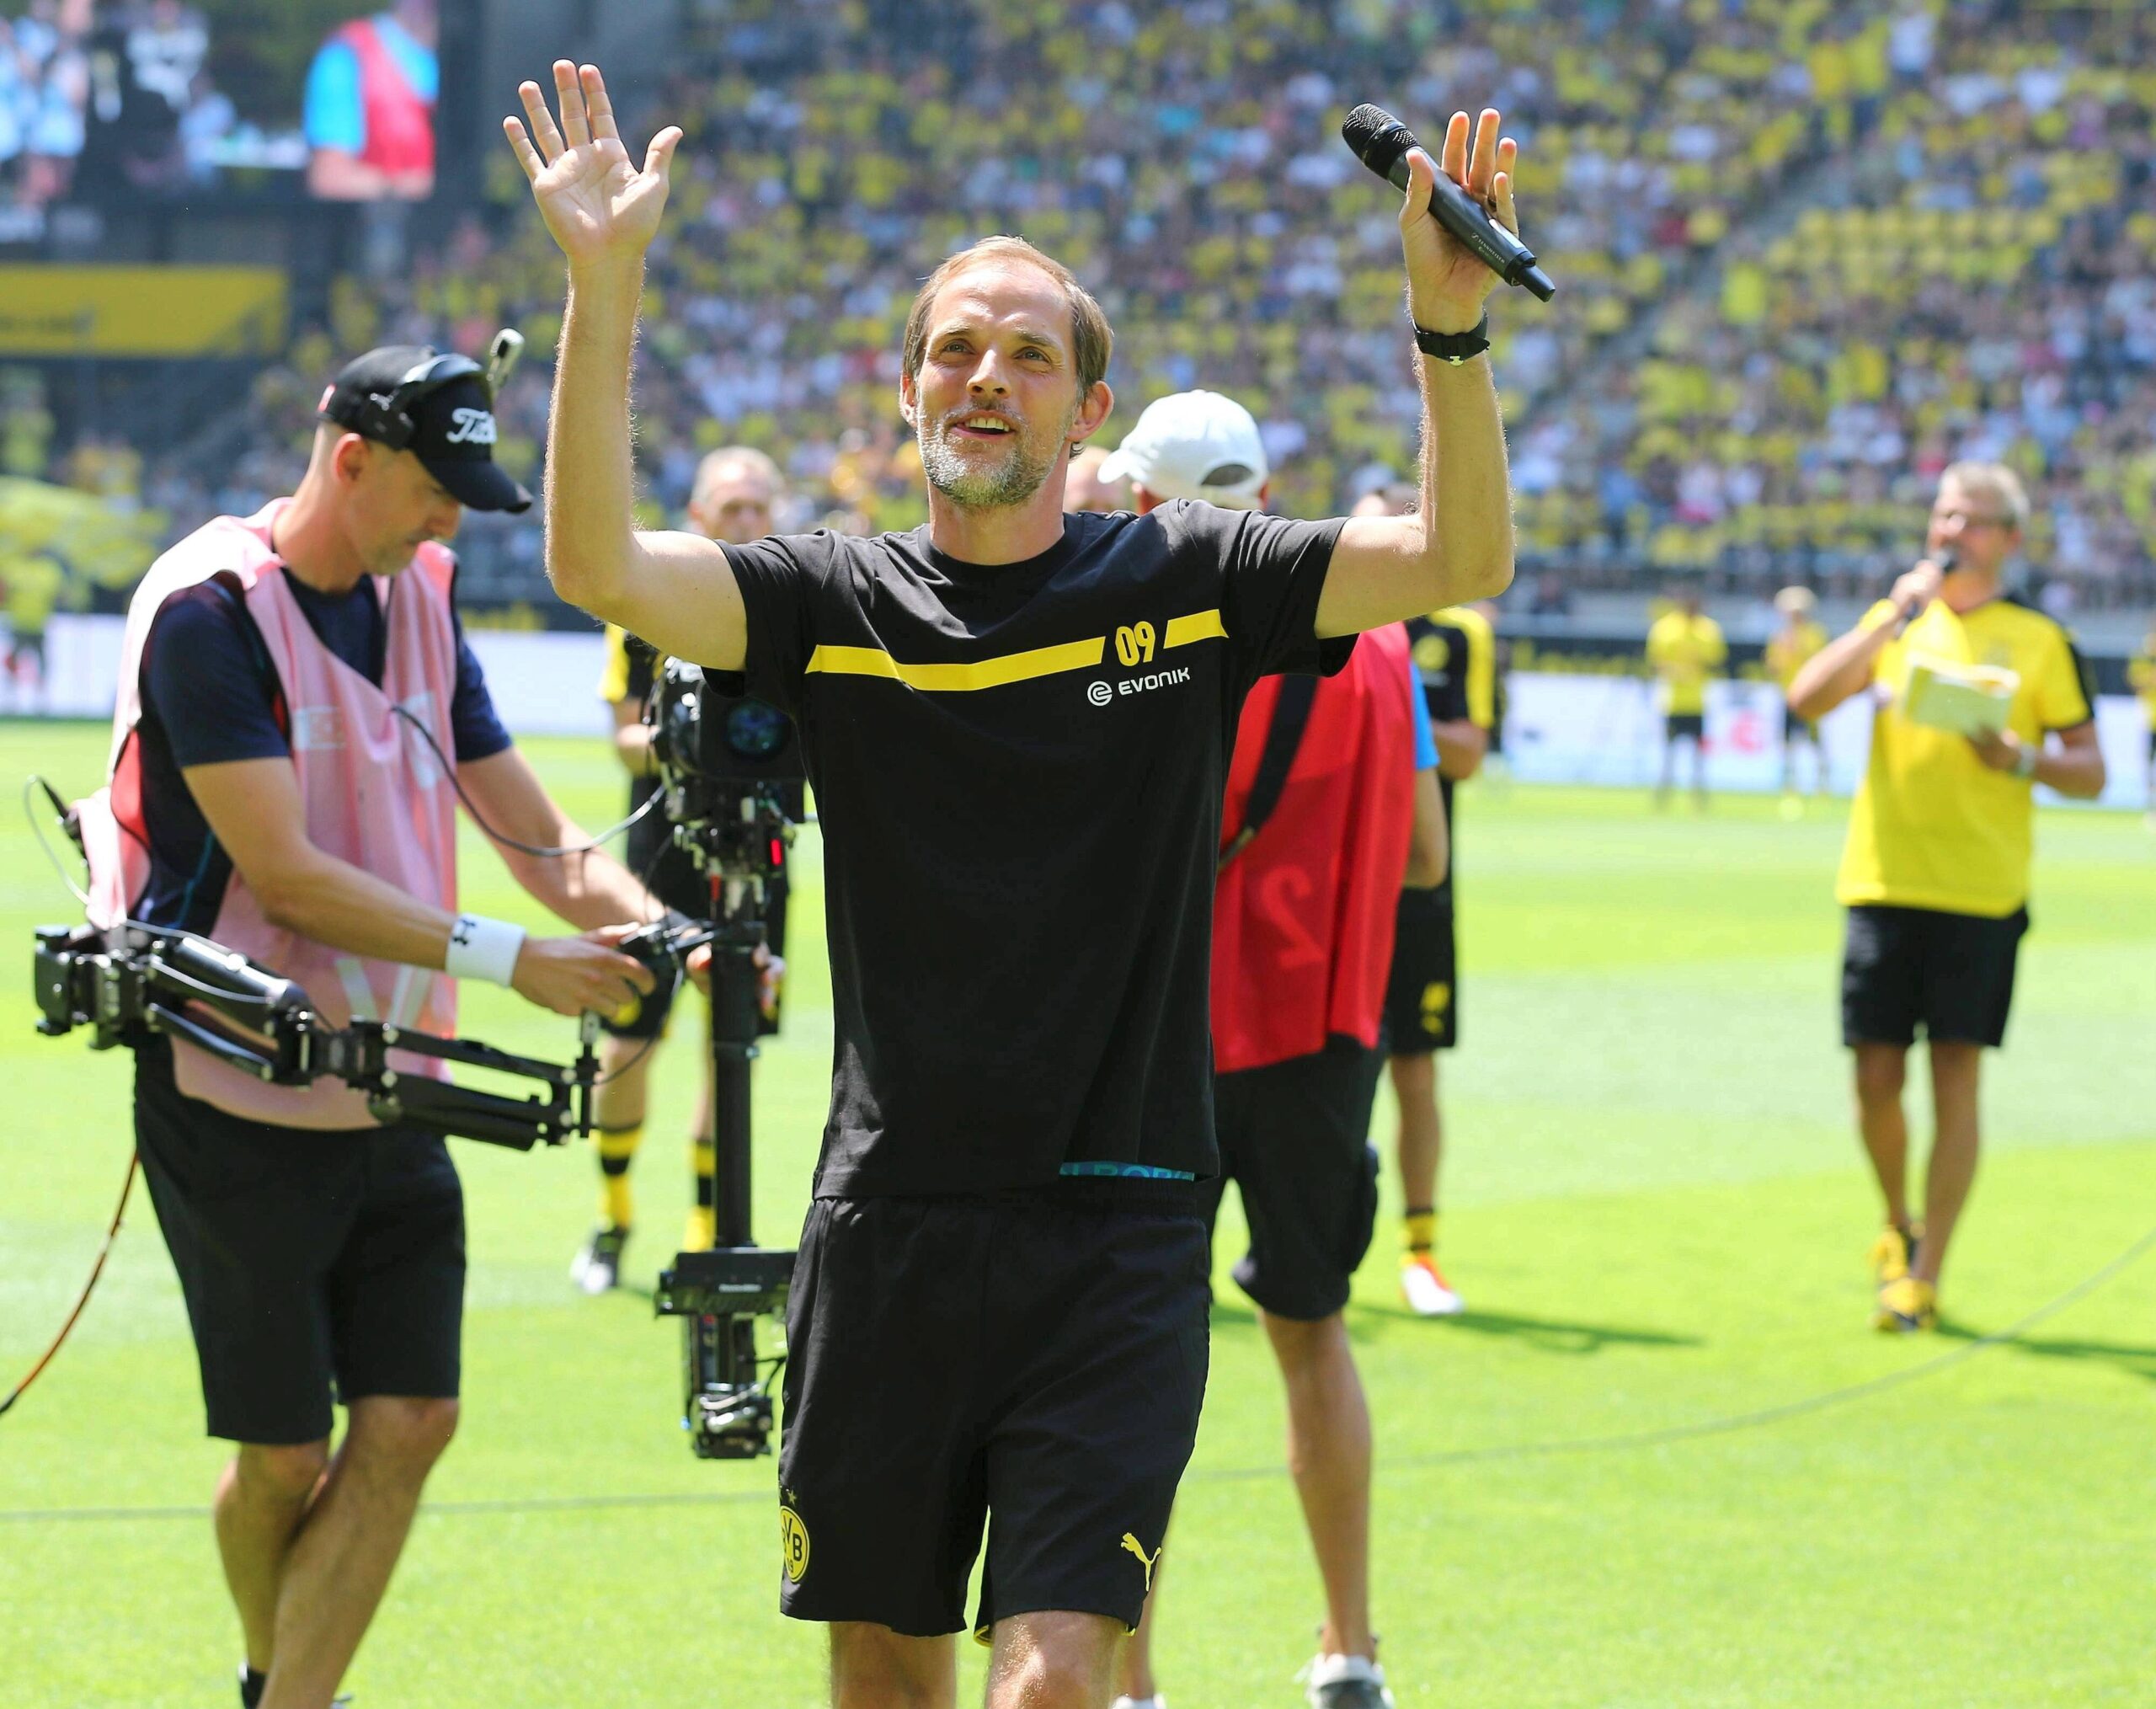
(730, 775)
(729, 766)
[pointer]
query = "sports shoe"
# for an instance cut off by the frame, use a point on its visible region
(1429, 1293)
(1906, 1307)
(598, 1266)
(253, 1685)
(1894, 1252)
(1345, 1682)
(1156, 1702)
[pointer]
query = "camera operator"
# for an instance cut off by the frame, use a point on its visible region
(1017, 723)
(294, 687)
(1935, 872)
(731, 499)
(1333, 801)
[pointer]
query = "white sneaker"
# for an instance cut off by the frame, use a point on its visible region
(1345, 1682)
(1156, 1702)
(1429, 1293)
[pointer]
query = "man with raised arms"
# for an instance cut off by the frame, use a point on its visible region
(1017, 723)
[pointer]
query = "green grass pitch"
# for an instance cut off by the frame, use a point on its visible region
(1655, 1206)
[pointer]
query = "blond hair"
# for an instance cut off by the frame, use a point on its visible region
(726, 458)
(1091, 338)
(1996, 481)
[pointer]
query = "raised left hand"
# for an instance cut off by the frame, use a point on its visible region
(1446, 282)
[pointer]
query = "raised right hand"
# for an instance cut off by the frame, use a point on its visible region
(572, 974)
(1916, 590)
(599, 207)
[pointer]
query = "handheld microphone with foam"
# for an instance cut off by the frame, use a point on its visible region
(1380, 142)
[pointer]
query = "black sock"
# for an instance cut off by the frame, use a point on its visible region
(252, 1685)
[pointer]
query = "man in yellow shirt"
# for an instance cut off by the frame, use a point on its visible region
(1789, 649)
(1935, 872)
(1684, 648)
(2141, 673)
(33, 587)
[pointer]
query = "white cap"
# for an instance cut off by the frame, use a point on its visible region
(1193, 445)
(1792, 600)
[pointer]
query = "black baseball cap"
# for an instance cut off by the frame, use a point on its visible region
(439, 408)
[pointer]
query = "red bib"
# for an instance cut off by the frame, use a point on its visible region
(1303, 918)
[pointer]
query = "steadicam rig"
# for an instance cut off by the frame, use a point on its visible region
(134, 981)
(727, 763)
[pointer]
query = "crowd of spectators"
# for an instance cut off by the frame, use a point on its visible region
(1974, 277)
(1971, 275)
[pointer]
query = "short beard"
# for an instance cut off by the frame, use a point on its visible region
(1010, 482)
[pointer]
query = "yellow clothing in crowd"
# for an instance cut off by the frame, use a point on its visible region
(1684, 652)
(1933, 826)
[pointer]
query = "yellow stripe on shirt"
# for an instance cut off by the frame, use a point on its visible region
(948, 679)
(1199, 626)
(994, 673)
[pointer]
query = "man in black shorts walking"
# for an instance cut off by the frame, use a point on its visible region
(295, 693)
(1330, 801)
(1017, 725)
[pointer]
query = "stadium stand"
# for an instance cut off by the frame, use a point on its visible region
(1808, 253)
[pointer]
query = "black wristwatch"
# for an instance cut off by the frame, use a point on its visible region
(1454, 347)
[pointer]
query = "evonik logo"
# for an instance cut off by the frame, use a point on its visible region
(1100, 693)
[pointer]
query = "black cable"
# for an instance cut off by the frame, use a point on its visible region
(37, 831)
(1763, 1415)
(1580, 1444)
(82, 1299)
(449, 769)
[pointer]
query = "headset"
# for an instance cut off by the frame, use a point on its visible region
(387, 416)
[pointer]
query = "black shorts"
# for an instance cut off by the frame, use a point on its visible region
(1798, 729)
(1294, 1136)
(1951, 973)
(1422, 998)
(1038, 1363)
(316, 1266)
(1682, 726)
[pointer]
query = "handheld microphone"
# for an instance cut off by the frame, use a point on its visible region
(1947, 560)
(1380, 142)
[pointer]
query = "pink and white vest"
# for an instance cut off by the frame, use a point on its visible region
(374, 792)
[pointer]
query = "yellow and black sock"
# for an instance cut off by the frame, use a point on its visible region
(616, 1198)
(703, 1220)
(1418, 1233)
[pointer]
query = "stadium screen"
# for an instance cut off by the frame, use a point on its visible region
(128, 101)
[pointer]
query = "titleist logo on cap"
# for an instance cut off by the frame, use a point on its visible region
(473, 427)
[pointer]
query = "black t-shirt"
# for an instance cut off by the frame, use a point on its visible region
(210, 694)
(1018, 772)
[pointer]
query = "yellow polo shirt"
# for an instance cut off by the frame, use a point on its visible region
(1933, 826)
(2142, 674)
(1684, 652)
(1788, 651)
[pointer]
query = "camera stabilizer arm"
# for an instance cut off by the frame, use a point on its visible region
(136, 980)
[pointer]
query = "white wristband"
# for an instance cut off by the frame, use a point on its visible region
(2026, 761)
(483, 948)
